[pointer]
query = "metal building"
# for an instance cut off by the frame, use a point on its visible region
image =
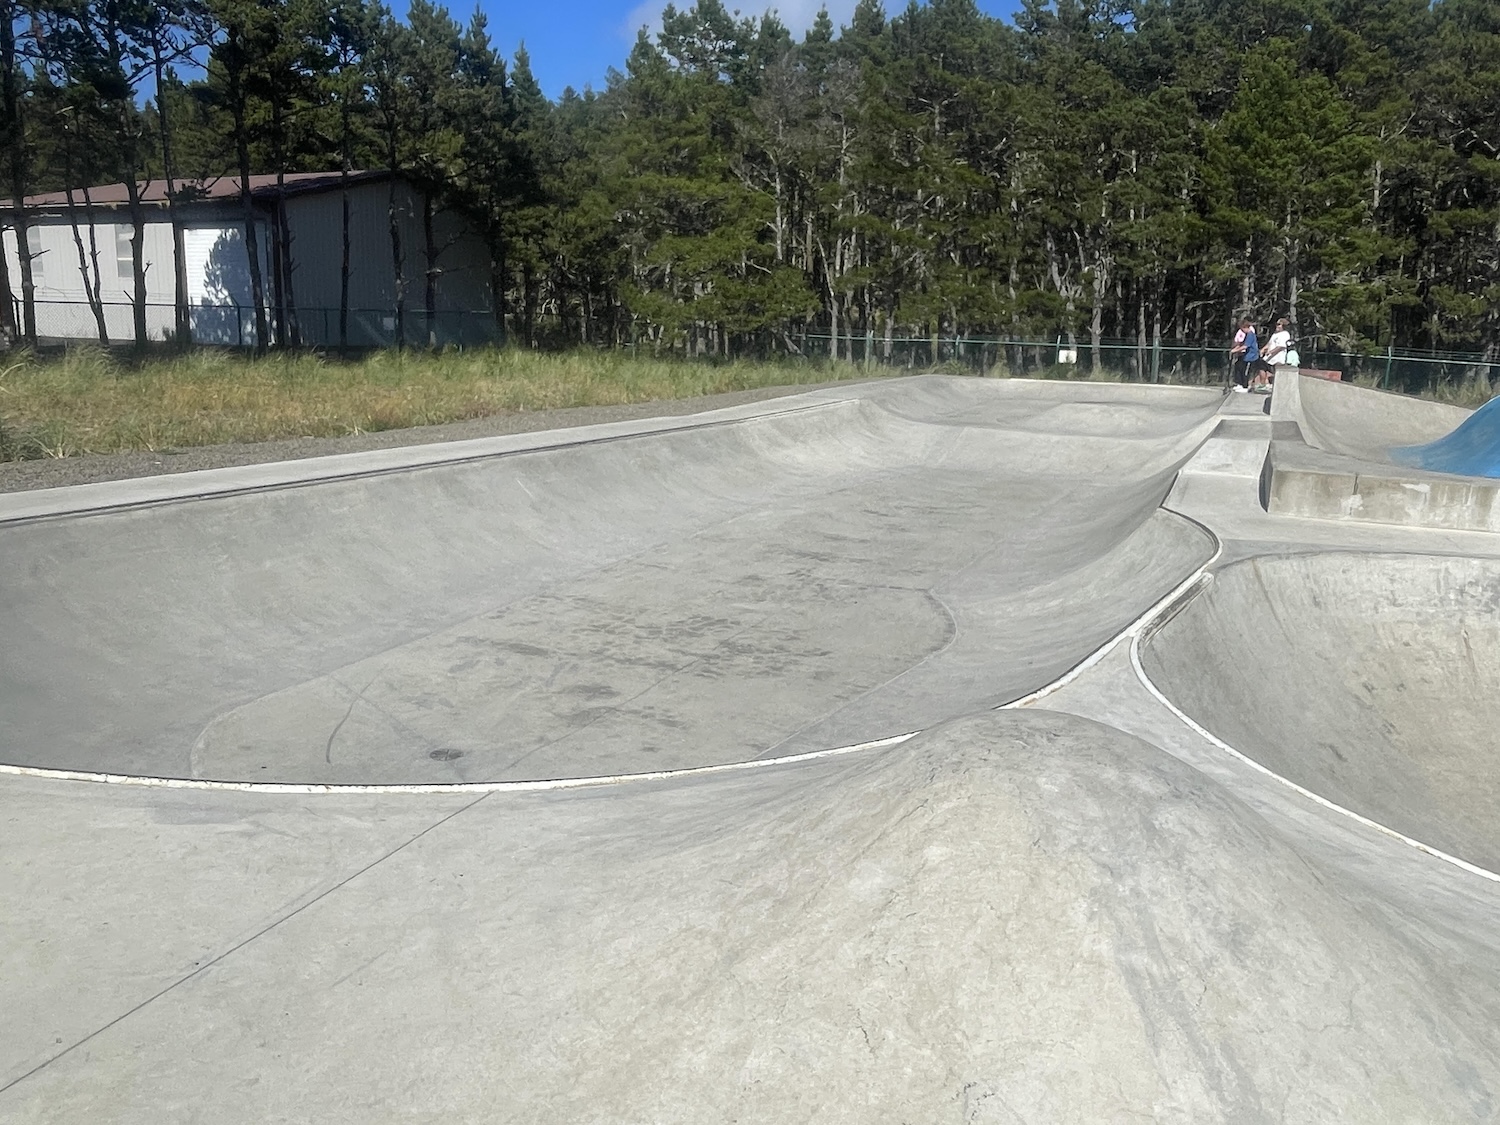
(75, 236)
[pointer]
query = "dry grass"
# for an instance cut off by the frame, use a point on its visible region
(1471, 393)
(86, 402)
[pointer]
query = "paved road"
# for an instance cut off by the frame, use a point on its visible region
(1034, 772)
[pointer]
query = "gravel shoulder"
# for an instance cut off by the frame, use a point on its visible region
(22, 476)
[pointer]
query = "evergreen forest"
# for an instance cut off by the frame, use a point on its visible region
(1095, 170)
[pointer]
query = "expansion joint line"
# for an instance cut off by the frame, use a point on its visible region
(237, 946)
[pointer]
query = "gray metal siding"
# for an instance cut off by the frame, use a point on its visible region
(218, 281)
(463, 296)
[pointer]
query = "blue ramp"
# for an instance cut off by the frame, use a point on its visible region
(1472, 450)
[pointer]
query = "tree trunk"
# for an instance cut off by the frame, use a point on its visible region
(88, 257)
(292, 331)
(20, 172)
(1293, 286)
(346, 165)
(1096, 317)
(7, 304)
(237, 104)
(528, 303)
(344, 261)
(398, 257)
(1015, 354)
(1156, 343)
(833, 326)
(278, 278)
(1140, 336)
(497, 284)
(137, 256)
(181, 321)
(430, 253)
(90, 276)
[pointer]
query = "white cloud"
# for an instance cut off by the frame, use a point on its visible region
(798, 15)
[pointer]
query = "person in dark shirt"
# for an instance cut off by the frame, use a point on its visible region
(1245, 352)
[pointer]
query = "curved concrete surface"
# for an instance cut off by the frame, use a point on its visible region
(1075, 910)
(1350, 455)
(1371, 680)
(1473, 449)
(1013, 918)
(779, 583)
(1367, 424)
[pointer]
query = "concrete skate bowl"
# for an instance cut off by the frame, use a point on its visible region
(837, 568)
(1371, 680)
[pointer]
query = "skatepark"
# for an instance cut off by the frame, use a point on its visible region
(929, 749)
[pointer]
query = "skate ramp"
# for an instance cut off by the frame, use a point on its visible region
(1016, 917)
(1371, 680)
(1367, 424)
(1349, 456)
(1473, 449)
(843, 570)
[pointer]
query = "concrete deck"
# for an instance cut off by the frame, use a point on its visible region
(936, 749)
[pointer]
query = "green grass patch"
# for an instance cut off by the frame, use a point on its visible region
(88, 402)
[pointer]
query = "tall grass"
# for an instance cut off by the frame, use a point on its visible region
(87, 402)
(1471, 393)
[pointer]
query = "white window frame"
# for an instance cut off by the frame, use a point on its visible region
(124, 258)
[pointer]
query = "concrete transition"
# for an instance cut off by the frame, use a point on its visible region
(935, 749)
(1473, 449)
(1348, 453)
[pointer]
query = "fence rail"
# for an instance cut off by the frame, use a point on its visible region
(231, 325)
(1128, 360)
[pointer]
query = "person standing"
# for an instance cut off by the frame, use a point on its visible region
(1279, 346)
(1245, 352)
(1263, 369)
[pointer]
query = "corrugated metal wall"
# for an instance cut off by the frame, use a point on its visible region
(463, 293)
(219, 280)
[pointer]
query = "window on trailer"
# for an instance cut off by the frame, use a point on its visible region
(124, 263)
(34, 252)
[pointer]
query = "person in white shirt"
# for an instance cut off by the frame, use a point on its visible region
(1277, 350)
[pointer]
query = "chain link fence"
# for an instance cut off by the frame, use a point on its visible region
(61, 322)
(1129, 361)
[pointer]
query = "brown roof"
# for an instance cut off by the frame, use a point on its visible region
(225, 188)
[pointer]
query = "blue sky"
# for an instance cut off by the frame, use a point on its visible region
(575, 42)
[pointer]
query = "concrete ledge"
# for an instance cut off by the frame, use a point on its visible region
(1311, 484)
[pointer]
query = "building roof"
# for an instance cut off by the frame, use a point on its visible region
(218, 189)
